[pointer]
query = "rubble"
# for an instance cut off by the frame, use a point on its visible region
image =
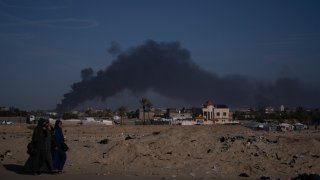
(128, 137)
(104, 141)
(243, 175)
(265, 177)
(156, 133)
(306, 176)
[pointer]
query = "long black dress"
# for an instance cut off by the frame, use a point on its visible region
(40, 160)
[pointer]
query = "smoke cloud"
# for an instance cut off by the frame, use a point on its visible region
(115, 48)
(168, 69)
(87, 74)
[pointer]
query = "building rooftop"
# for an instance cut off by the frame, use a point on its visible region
(221, 106)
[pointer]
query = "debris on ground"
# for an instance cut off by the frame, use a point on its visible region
(243, 175)
(306, 176)
(104, 141)
(265, 177)
(128, 137)
(156, 133)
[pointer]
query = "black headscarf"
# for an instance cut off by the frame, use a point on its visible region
(41, 121)
(56, 125)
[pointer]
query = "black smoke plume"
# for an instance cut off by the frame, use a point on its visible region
(87, 74)
(115, 48)
(168, 69)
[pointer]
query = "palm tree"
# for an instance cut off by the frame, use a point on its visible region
(145, 103)
(122, 112)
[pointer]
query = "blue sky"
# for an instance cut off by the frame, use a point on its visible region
(45, 43)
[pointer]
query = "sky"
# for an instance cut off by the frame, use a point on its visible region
(44, 44)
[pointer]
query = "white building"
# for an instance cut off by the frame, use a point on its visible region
(210, 112)
(219, 114)
(176, 114)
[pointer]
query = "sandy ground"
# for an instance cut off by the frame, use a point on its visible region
(170, 152)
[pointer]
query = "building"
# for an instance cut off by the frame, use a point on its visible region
(211, 112)
(176, 114)
(208, 110)
(147, 115)
(269, 110)
(219, 114)
(4, 109)
(160, 112)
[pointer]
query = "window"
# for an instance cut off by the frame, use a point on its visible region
(224, 114)
(218, 113)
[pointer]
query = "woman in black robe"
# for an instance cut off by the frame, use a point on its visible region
(40, 159)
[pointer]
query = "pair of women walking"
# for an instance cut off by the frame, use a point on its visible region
(46, 149)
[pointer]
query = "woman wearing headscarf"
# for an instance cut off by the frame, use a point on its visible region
(40, 159)
(58, 155)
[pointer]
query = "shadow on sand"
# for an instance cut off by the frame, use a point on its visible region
(19, 169)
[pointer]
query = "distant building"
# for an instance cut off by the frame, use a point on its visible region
(249, 114)
(243, 114)
(52, 113)
(269, 110)
(207, 110)
(200, 120)
(4, 109)
(160, 112)
(211, 112)
(219, 114)
(176, 114)
(149, 114)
